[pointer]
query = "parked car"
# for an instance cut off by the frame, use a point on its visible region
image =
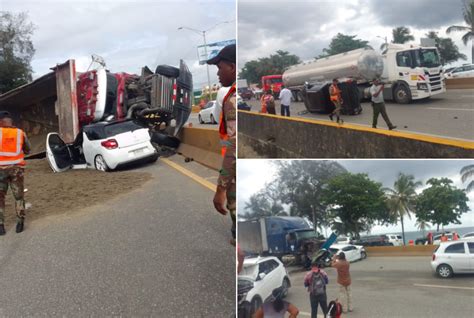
(469, 236)
(343, 240)
(424, 240)
(454, 257)
(104, 146)
(352, 252)
(241, 104)
(395, 239)
(373, 240)
(246, 93)
(266, 274)
(461, 71)
(437, 238)
(210, 113)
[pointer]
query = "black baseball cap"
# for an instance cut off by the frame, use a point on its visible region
(226, 54)
(5, 114)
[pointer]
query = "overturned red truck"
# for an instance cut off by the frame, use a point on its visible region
(65, 101)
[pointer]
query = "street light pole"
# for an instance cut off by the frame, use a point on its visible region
(203, 33)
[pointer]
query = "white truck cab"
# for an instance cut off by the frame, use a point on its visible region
(412, 72)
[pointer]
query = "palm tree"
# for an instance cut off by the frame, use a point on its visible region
(466, 173)
(401, 199)
(402, 35)
(422, 225)
(467, 12)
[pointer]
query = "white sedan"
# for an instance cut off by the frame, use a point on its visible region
(352, 252)
(452, 258)
(104, 146)
(266, 274)
(210, 113)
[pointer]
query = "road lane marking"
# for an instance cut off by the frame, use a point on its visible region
(440, 286)
(211, 186)
(439, 108)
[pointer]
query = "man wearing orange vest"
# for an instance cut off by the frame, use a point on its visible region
(226, 189)
(13, 146)
(336, 99)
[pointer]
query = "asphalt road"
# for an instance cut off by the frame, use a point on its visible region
(395, 287)
(159, 251)
(447, 115)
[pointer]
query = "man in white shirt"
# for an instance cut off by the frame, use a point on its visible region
(285, 100)
(378, 104)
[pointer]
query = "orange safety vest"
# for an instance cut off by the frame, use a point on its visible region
(222, 126)
(335, 93)
(11, 146)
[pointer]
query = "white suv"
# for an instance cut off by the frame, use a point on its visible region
(452, 258)
(395, 239)
(266, 274)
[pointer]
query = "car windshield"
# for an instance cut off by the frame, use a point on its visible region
(427, 58)
(250, 271)
(120, 128)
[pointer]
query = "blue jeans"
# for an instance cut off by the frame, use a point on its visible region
(285, 110)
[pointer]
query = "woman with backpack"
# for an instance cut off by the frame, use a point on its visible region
(315, 281)
(277, 307)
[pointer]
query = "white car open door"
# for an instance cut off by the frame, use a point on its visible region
(57, 153)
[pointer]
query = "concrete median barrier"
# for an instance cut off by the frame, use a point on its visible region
(460, 83)
(272, 136)
(202, 145)
(417, 250)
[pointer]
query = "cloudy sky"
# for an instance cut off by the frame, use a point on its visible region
(254, 173)
(128, 34)
(304, 27)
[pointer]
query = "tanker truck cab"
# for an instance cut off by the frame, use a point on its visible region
(412, 73)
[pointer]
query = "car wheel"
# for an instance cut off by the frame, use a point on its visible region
(100, 164)
(200, 120)
(255, 304)
(402, 94)
(285, 286)
(363, 255)
(444, 271)
(213, 121)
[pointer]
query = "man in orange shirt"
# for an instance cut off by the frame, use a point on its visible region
(340, 263)
(13, 146)
(336, 99)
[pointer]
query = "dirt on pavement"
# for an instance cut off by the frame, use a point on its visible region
(52, 193)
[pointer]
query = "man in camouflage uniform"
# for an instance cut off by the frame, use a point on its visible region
(13, 145)
(226, 184)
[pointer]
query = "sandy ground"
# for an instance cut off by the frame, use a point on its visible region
(62, 193)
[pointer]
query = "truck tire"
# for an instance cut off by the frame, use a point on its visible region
(402, 94)
(165, 140)
(167, 70)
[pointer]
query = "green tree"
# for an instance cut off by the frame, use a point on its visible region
(274, 64)
(266, 202)
(402, 35)
(441, 203)
(448, 51)
(357, 202)
(343, 43)
(467, 13)
(422, 225)
(16, 50)
(401, 199)
(467, 172)
(301, 184)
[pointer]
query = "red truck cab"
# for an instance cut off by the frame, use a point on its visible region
(273, 83)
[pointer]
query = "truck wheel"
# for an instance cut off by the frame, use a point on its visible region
(299, 96)
(165, 140)
(402, 94)
(167, 70)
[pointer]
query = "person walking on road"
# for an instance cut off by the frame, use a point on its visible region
(277, 307)
(14, 145)
(285, 101)
(268, 103)
(336, 99)
(340, 263)
(315, 281)
(226, 183)
(378, 104)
